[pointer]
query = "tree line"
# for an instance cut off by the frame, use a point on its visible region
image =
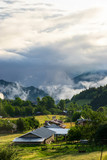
(21, 108)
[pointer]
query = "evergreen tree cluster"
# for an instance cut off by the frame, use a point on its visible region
(21, 108)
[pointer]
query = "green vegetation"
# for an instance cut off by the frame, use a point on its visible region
(60, 150)
(5, 125)
(82, 102)
(20, 108)
(94, 121)
(24, 124)
(101, 133)
(8, 153)
(90, 105)
(96, 97)
(21, 124)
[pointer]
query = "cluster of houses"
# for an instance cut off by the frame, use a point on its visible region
(47, 133)
(43, 135)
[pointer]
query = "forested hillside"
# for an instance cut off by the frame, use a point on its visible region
(96, 97)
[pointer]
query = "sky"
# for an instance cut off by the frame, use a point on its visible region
(51, 41)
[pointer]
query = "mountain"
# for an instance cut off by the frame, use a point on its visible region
(10, 90)
(94, 76)
(96, 97)
(76, 85)
(66, 90)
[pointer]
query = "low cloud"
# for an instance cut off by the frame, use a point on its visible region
(41, 44)
(13, 91)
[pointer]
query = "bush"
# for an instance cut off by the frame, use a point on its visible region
(8, 154)
(76, 116)
(101, 134)
(74, 134)
(6, 125)
(24, 124)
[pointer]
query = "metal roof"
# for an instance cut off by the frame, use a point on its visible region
(28, 139)
(59, 131)
(52, 126)
(41, 133)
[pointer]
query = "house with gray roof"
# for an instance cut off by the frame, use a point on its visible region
(38, 136)
(58, 131)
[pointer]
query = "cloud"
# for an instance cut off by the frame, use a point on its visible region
(14, 91)
(41, 43)
(1, 96)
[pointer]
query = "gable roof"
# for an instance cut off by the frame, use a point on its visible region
(41, 132)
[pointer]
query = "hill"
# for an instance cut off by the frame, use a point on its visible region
(96, 97)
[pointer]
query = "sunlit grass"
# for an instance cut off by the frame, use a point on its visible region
(29, 152)
(8, 138)
(42, 118)
(86, 156)
(69, 124)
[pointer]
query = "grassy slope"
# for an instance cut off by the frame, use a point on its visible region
(43, 118)
(83, 102)
(66, 152)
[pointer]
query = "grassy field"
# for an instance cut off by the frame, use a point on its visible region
(52, 151)
(43, 118)
(83, 102)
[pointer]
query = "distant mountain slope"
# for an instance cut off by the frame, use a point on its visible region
(10, 90)
(96, 97)
(94, 76)
(75, 85)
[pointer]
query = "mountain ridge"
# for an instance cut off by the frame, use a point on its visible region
(10, 90)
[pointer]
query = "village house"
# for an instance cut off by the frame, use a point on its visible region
(43, 135)
(82, 121)
(39, 136)
(56, 122)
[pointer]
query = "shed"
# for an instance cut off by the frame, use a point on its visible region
(59, 132)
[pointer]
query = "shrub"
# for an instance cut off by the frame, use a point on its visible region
(24, 124)
(101, 133)
(74, 134)
(8, 154)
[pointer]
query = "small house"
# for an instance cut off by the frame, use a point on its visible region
(56, 122)
(39, 136)
(82, 121)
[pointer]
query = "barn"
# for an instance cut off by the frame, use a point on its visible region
(39, 136)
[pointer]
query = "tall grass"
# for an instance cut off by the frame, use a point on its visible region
(8, 153)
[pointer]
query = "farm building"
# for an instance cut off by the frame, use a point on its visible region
(59, 131)
(38, 136)
(56, 122)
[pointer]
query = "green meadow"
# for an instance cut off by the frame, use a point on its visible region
(54, 151)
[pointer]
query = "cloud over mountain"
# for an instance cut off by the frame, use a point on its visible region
(46, 41)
